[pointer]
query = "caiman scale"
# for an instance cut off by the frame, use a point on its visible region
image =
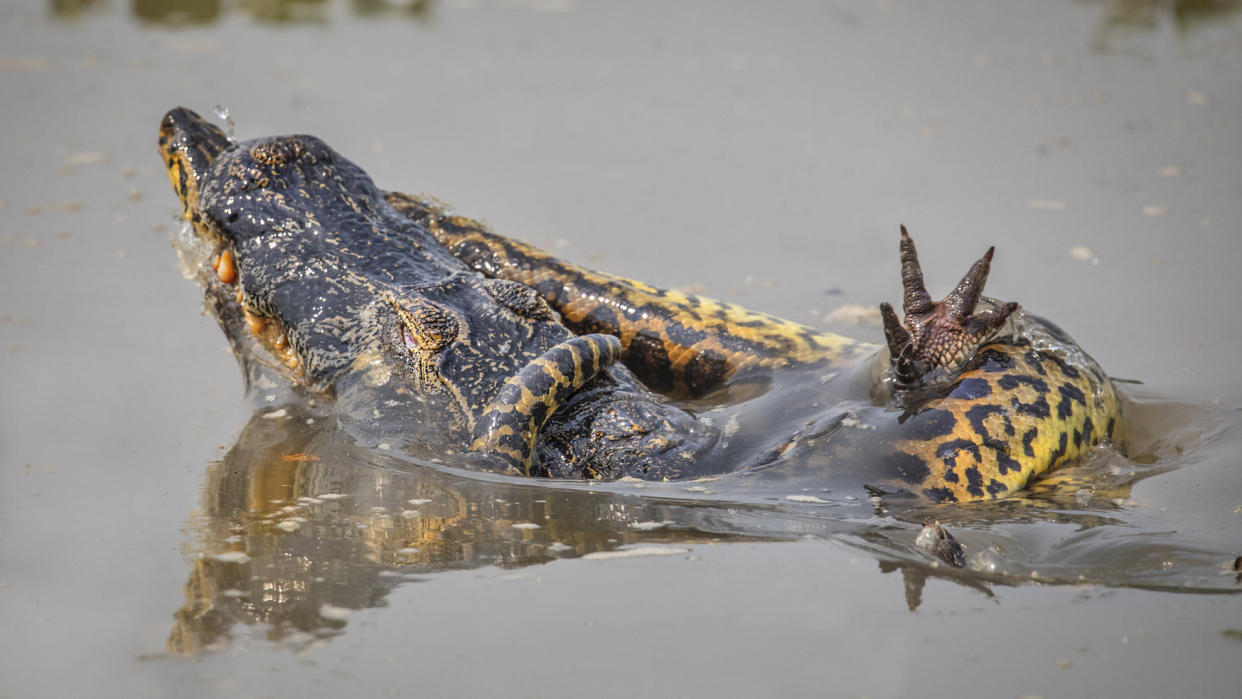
(536, 366)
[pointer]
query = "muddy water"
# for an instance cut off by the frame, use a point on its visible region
(148, 511)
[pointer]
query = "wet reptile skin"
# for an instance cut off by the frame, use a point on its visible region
(339, 285)
(318, 277)
(1020, 406)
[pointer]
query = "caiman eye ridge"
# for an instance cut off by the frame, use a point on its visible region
(329, 275)
(428, 329)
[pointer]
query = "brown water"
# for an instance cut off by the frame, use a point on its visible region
(761, 155)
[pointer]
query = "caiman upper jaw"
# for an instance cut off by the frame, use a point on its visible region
(937, 334)
(188, 146)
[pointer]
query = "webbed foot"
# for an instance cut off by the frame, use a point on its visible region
(937, 334)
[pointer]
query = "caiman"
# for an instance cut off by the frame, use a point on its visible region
(530, 365)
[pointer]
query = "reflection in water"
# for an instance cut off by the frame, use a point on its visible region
(72, 9)
(188, 12)
(1127, 20)
(176, 11)
(1121, 20)
(300, 525)
(1185, 14)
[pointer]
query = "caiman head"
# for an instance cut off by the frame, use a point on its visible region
(311, 273)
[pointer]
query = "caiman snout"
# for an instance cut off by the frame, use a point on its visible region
(189, 144)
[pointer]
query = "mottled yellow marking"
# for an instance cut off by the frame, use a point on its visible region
(688, 327)
(1044, 457)
(758, 339)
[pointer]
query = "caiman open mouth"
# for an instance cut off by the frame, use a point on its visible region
(268, 332)
(254, 337)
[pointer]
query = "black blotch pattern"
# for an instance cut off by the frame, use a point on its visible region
(940, 494)
(947, 452)
(1066, 369)
(974, 481)
(647, 357)
(1012, 381)
(931, 424)
(1037, 408)
(1028, 439)
(1005, 463)
(705, 372)
(1036, 360)
(540, 383)
(992, 361)
(757, 323)
(602, 320)
(996, 488)
(971, 389)
(910, 468)
(1060, 450)
(979, 413)
(1069, 396)
(539, 414)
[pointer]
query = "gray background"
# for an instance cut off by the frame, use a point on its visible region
(760, 153)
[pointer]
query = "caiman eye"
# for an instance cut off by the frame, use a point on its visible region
(427, 328)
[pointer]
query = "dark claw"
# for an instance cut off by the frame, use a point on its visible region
(937, 333)
(894, 332)
(916, 300)
(899, 345)
(961, 301)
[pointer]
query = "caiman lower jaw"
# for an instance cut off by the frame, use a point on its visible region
(508, 427)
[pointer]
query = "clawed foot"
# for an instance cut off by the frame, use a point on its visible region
(937, 334)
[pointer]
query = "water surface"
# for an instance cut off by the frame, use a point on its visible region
(148, 511)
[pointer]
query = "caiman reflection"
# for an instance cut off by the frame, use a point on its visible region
(301, 525)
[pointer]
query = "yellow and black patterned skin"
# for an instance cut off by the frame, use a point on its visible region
(316, 276)
(1020, 405)
(677, 343)
(1015, 412)
(535, 366)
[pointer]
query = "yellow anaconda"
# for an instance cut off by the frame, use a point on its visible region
(990, 400)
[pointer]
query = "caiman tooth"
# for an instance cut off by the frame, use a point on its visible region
(508, 426)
